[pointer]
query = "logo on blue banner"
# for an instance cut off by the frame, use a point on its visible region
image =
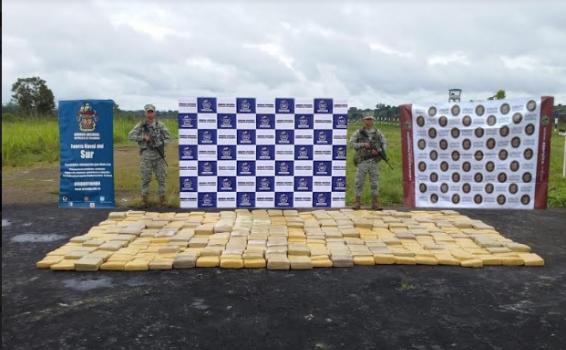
(303, 183)
(265, 121)
(284, 199)
(206, 104)
(340, 121)
(245, 105)
(323, 105)
(321, 199)
(187, 121)
(245, 137)
(265, 152)
(207, 168)
(303, 121)
(338, 184)
(227, 152)
(338, 152)
(188, 184)
(323, 137)
(245, 199)
(86, 158)
(322, 168)
(188, 152)
(303, 152)
(284, 105)
(226, 184)
(265, 183)
(284, 167)
(226, 121)
(245, 168)
(206, 137)
(206, 200)
(284, 137)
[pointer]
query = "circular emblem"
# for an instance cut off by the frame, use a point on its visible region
(455, 198)
(466, 144)
(525, 199)
(420, 121)
(478, 177)
(529, 129)
(517, 118)
(491, 120)
(421, 144)
(478, 199)
(433, 198)
(489, 188)
(490, 143)
(466, 166)
(502, 177)
(455, 155)
(432, 133)
(432, 111)
(444, 188)
(456, 177)
(433, 155)
(531, 105)
(514, 166)
(442, 121)
(444, 166)
(504, 131)
(505, 108)
(478, 155)
(528, 153)
(466, 188)
(490, 166)
(503, 154)
(516, 142)
(455, 132)
(527, 177)
(480, 110)
(422, 188)
(545, 120)
(513, 188)
(478, 132)
(443, 144)
(422, 166)
(455, 110)
(467, 120)
(433, 177)
(501, 199)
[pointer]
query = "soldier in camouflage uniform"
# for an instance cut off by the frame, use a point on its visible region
(151, 136)
(367, 142)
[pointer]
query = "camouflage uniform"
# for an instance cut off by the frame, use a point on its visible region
(150, 159)
(367, 163)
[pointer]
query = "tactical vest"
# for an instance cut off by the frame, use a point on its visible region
(365, 153)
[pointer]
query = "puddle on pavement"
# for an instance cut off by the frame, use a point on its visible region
(84, 285)
(37, 237)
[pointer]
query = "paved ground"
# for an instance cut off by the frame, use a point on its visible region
(384, 307)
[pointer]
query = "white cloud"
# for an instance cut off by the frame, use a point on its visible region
(140, 51)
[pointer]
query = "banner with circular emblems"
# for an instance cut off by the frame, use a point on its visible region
(485, 154)
(248, 152)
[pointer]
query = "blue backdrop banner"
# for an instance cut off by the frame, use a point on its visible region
(87, 159)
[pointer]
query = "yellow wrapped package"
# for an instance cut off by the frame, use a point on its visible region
(425, 260)
(208, 261)
(471, 263)
(532, 259)
(384, 259)
(138, 264)
(117, 265)
(367, 260)
(64, 265)
(254, 263)
(47, 261)
(88, 263)
(326, 262)
(231, 263)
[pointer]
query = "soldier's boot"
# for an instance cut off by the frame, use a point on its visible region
(357, 203)
(162, 201)
(375, 203)
(145, 201)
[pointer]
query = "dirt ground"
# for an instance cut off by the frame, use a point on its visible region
(382, 307)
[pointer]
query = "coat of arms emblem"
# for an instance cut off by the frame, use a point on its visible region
(87, 118)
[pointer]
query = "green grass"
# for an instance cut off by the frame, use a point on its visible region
(26, 141)
(35, 142)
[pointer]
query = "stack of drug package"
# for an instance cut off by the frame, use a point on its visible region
(286, 239)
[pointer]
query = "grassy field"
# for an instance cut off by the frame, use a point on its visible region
(30, 154)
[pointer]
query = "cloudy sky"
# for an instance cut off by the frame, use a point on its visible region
(137, 52)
